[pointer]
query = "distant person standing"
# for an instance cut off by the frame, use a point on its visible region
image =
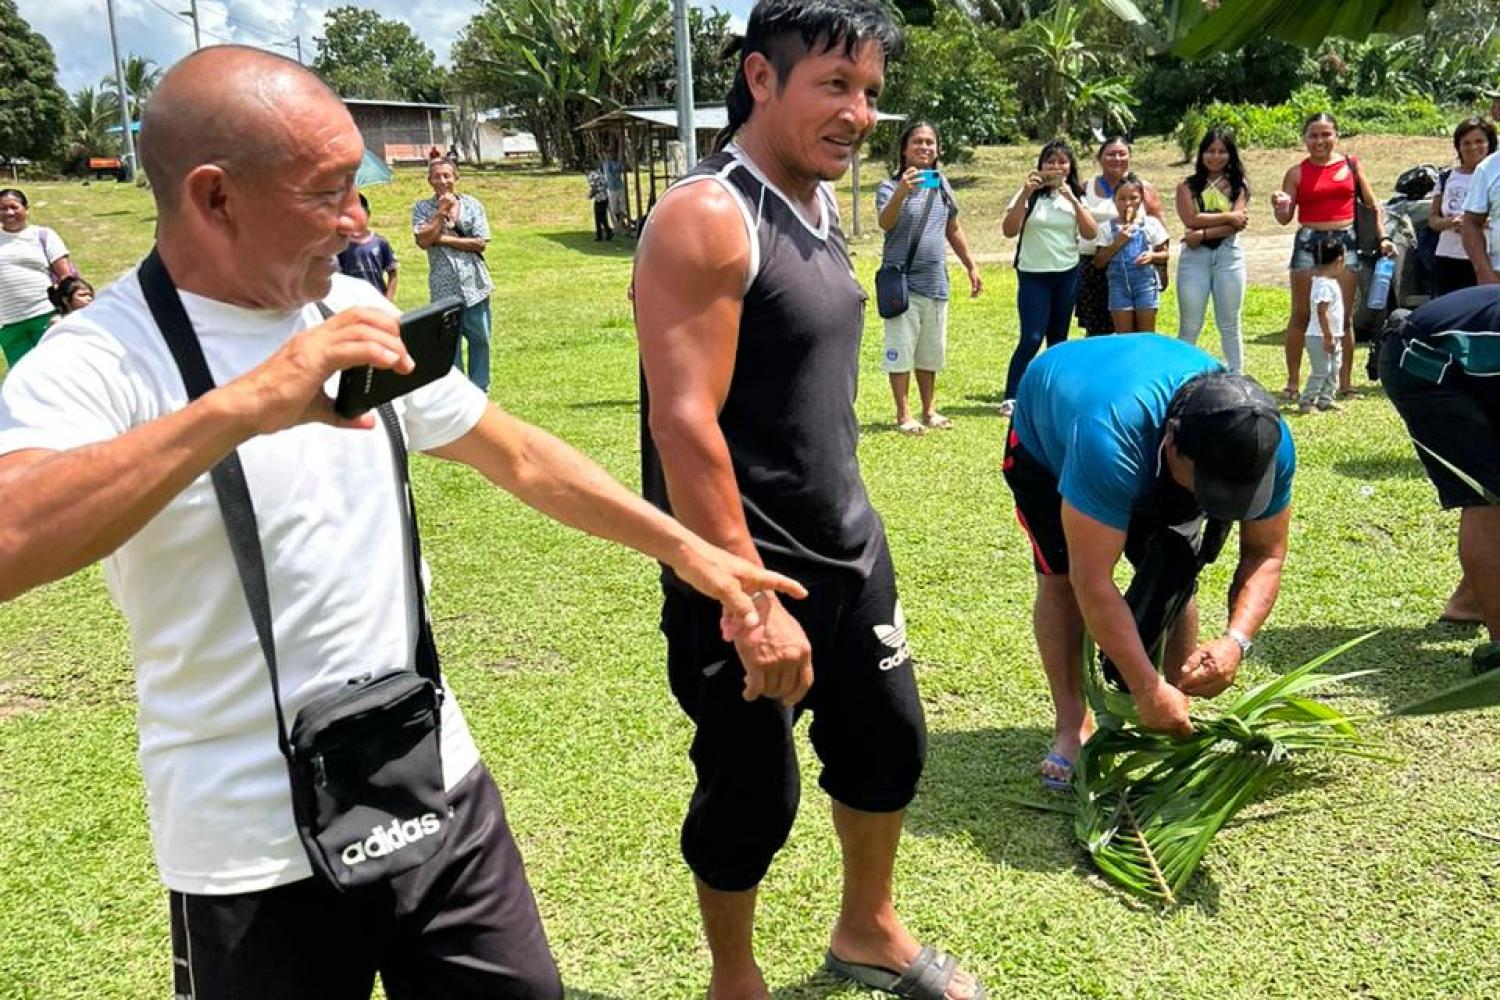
(1473, 140)
(32, 258)
(454, 231)
(1099, 198)
(599, 198)
(1213, 203)
(918, 218)
(369, 257)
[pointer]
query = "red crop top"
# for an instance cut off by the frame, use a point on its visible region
(1320, 198)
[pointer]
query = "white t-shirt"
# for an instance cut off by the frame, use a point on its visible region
(1451, 241)
(1325, 290)
(337, 563)
(26, 272)
(1156, 233)
(1483, 198)
(1102, 207)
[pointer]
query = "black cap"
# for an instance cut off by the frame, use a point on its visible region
(1230, 428)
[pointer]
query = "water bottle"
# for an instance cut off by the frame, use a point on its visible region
(1380, 283)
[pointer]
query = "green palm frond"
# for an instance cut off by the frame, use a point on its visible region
(1148, 806)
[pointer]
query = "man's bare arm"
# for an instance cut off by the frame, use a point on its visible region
(67, 509)
(1475, 245)
(1257, 578)
(1093, 550)
(690, 280)
(567, 486)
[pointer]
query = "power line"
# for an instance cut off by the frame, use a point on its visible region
(264, 36)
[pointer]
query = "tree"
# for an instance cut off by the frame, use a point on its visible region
(362, 54)
(712, 71)
(1074, 85)
(33, 108)
(91, 113)
(142, 74)
(560, 62)
(951, 77)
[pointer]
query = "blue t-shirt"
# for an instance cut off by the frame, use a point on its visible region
(369, 261)
(1094, 412)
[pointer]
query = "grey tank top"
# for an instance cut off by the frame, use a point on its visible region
(789, 417)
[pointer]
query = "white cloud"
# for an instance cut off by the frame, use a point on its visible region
(79, 32)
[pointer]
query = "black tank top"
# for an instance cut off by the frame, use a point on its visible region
(789, 416)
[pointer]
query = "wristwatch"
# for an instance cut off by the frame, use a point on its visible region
(1241, 640)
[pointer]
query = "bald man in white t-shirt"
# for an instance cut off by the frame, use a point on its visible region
(103, 457)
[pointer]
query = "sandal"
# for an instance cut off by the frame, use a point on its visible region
(911, 428)
(926, 978)
(1052, 781)
(936, 421)
(1290, 394)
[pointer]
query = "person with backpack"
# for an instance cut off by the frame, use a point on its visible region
(1047, 219)
(1473, 140)
(917, 218)
(1323, 192)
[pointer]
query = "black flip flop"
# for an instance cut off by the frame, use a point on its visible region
(926, 978)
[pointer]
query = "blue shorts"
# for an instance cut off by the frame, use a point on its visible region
(1302, 244)
(1132, 286)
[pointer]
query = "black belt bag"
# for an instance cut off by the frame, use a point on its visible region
(364, 759)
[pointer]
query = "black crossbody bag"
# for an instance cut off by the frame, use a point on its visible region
(364, 760)
(892, 296)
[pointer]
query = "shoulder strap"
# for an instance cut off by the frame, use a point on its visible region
(916, 234)
(233, 492)
(1031, 203)
(1359, 194)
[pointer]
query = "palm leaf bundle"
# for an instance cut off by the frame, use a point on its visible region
(1148, 805)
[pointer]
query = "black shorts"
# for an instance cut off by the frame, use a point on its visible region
(1039, 509)
(867, 726)
(1458, 416)
(463, 925)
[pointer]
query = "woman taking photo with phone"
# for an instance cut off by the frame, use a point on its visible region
(1048, 220)
(1321, 193)
(1098, 196)
(1213, 204)
(917, 212)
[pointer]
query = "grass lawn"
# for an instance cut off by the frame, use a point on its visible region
(1353, 879)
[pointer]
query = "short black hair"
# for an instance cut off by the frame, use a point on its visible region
(786, 31)
(17, 194)
(1327, 248)
(364, 203)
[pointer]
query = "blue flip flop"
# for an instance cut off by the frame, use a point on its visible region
(1058, 784)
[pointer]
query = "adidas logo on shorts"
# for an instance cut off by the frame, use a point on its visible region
(894, 636)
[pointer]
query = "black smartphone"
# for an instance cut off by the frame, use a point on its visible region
(431, 337)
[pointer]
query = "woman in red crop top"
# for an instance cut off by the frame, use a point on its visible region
(1319, 192)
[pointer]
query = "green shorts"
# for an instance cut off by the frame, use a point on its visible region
(18, 338)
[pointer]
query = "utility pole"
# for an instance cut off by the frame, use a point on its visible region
(298, 40)
(686, 133)
(129, 139)
(193, 13)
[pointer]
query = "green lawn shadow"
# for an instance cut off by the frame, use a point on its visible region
(582, 241)
(1410, 661)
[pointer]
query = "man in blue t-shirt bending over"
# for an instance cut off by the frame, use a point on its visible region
(1145, 446)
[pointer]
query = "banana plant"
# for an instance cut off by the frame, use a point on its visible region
(1198, 28)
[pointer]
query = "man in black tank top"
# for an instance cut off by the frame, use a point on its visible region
(749, 319)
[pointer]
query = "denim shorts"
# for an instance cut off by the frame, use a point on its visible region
(1132, 286)
(1302, 245)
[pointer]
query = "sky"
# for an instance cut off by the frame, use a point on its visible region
(79, 31)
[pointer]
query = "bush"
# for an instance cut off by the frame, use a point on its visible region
(1266, 71)
(1281, 124)
(951, 78)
